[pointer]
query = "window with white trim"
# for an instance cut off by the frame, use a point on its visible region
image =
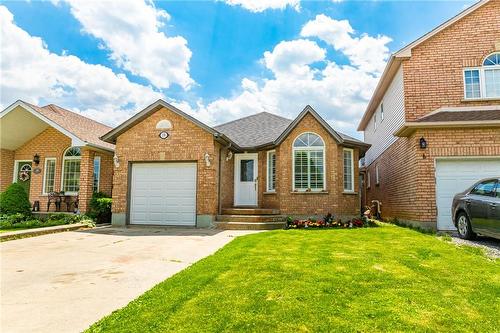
(484, 81)
(368, 180)
(49, 175)
(348, 170)
(377, 177)
(271, 171)
(97, 173)
(309, 163)
(381, 112)
(71, 170)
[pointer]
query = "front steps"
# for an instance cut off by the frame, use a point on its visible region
(250, 219)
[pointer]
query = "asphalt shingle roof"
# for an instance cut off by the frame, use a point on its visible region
(260, 129)
(479, 115)
(82, 127)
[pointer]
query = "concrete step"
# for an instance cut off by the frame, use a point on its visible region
(251, 218)
(250, 211)
(249, 225)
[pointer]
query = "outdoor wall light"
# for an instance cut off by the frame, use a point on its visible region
(116, 161)
(423, 143)
(207, 158)
(36, 159)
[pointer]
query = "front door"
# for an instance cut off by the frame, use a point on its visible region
(245, 179)
(23, 176)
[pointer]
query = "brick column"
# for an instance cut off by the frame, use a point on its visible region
(6, 168)
(86, 179)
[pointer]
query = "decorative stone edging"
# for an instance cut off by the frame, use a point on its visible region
(11, 235)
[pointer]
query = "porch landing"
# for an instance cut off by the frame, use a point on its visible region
(237, 218)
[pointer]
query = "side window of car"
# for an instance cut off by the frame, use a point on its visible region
(498, 190)
(486, 188)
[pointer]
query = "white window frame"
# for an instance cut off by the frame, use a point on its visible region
(269, 172)
(96, 158)
(368, 179)
(322, 148)
(377, 176)
(375, 121)
(482, 82)
(382, 112)
(352, 169)
(44, 191)
(64, 158)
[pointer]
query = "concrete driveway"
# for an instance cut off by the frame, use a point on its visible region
(65, 282)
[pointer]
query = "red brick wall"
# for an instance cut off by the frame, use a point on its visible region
(6, 168)
(433, 76)
(407, 187)
(310, 203)
(52, 144)
(187, 142)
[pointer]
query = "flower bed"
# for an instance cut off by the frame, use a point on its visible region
(329, 222)
(28, 221)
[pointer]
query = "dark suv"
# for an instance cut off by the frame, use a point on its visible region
(477, 210)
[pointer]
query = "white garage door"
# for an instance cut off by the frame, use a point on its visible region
(455, 176)
(163, 194)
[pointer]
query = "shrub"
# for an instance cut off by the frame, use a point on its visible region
(20, 221)
(100, 207)
(15, 200)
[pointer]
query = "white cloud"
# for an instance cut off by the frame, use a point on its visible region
(301, 75)
(365, 52)
(29, 71)
(258, 6)
(130, 29)
(292, 58)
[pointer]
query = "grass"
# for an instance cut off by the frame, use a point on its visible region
(363, 280)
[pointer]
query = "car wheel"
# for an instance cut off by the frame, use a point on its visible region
(463, 226)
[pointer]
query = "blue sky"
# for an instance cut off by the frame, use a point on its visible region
(215, 60)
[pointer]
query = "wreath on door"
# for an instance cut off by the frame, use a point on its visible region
(24, 176)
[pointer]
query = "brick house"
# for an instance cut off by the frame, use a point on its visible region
(174, 170)
(50, 149)
(434, 120)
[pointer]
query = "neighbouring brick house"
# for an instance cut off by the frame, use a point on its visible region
(50, 149)
(434, 120)
(174, 170)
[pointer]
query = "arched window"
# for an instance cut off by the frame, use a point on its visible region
(71, 170)
(484, 81)
(309, 163)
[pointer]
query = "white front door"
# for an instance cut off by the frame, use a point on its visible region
(456, 175)
(245, 179)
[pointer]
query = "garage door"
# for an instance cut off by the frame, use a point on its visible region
(163, 194)
(455, 176)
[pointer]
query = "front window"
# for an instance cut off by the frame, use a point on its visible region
(483, 82)
(308, 163)
(271, 171)
(71, 170)
(348, 170)
(49, 175)
(97, 173)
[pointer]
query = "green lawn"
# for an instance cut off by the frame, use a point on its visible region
(363, 280)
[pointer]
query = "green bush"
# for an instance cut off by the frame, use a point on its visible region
(15, 200)
(100, 207)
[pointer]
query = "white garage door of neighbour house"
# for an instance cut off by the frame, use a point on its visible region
(163, 194)
(456, 175)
